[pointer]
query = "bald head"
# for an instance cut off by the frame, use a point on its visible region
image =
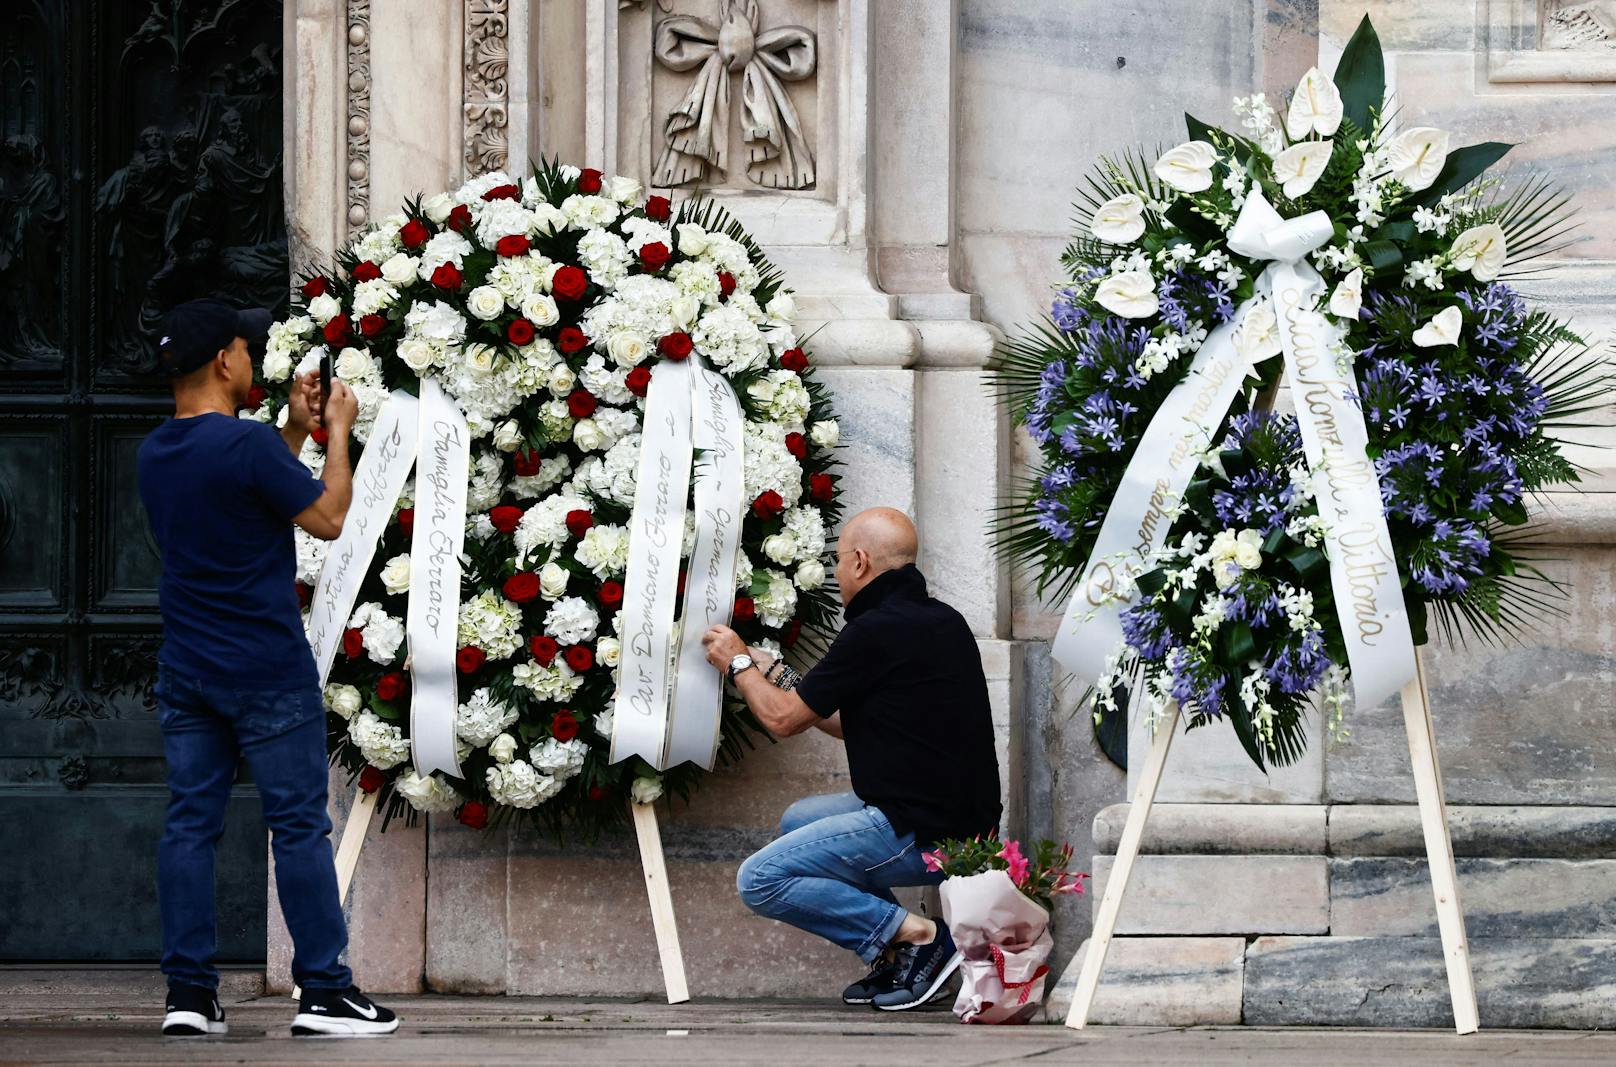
(872, 543)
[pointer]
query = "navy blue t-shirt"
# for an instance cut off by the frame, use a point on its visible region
(220, 493)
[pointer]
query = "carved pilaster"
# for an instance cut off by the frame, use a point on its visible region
(487, 88)
(358, 112)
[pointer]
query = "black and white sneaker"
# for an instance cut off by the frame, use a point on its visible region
(879, 980)
(922, 972)
(193, 1011)
(341, 1013)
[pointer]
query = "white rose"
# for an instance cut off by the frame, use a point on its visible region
(480, 357)
(693, 240)
(344, 700)
(1481, 250)
(588, 435)
(562, 380)
(623, 189)
(627, 348)
(353, 363)
(540, 310)
(646, 790)
(485, 302)
(437, 208)
(783, 306)
(553, 581)
(277, 366)
(782, 548)
(825, 433)
(324, 308)
(399, 269)
(508, 437)
(609, 650)
(1131, 294)
(1443, 329)
(1120, 220)
(685, 311)
(1187, 167)
(548, 219)
(396, 575)
(811, 575)
(502, 748)
(416, 354)
(1347, 300)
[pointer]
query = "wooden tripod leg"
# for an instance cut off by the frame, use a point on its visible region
(1133, 832)
(656, 887)
(1439, 850)
(348, 846)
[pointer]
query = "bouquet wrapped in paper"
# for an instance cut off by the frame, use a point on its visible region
(996, 903)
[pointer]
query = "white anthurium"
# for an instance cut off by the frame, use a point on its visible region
(1416, 156)
(1131, 294)
(1481, 250)
(1316, 107)
(1300, 166)
(1347, 300)
(1443, 329)
(1257, 336)
(1120, 220)
(1187, 167)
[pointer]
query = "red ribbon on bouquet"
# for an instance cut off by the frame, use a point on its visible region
(1026, 987)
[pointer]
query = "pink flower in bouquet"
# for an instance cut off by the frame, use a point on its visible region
(933, 860)
(1011, 854)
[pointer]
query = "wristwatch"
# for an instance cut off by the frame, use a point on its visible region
(739, 664)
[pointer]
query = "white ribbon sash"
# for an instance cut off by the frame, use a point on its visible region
(1363, 570)
(432, 618)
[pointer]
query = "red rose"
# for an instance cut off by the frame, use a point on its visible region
(503, 192)
(793, 632)
(521, 587)
(513, 245)
(371, 325)
(366, 272)
(581, 403)
(794, 359)
(611, 593)
(544, 649)
(319, 436)
(527, 462)
(305, 593)
(745, 609)
(406, 521)
(638, 381)
(336, 331)
(658, 208)
(468, 659)
(589, 180)
(598, 792)
(371, 778)
(505, 517)
(579, 521)
(570, 283)
(797, 445)
(579, 658)
(571, 339)
(390, 686)
(655, 256)
(682, 576)
(459, 218)
(768, 505)
(414, 233)
(315, 286)
(353, 643)
(520, 331)
(447, 276)
(726, 283)
(255, 396)
(821, 488)
(676, 345)
(564, 726)
(473, 814)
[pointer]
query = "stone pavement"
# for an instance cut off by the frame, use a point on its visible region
(114, 1027)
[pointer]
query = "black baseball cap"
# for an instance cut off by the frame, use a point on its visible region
(193, 333)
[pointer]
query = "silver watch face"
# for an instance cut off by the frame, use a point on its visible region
(739, 664)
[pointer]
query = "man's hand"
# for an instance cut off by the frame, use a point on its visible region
(341, 409)
(723, 645)
(303, 404)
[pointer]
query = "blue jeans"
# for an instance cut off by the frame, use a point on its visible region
(207, 727)
(831, 872)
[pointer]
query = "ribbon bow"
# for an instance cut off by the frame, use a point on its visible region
(697, 131)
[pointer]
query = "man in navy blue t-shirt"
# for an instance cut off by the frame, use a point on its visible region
(235, 676)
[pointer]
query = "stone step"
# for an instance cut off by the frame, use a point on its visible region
(136, 982)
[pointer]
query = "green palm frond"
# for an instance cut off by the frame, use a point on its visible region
(1537, 220)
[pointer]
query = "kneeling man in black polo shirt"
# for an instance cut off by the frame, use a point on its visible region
(903, 687)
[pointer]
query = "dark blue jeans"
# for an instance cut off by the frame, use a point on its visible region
(207, 727)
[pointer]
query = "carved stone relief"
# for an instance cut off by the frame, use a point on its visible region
(1577, 25)
(487, 91)
(1540, 41)
(696, 131)
(358, 112)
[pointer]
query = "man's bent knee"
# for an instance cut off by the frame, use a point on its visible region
(757, 884)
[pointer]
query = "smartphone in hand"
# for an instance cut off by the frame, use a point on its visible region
(325, 384)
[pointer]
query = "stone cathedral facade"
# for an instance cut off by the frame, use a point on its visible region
(915, 183)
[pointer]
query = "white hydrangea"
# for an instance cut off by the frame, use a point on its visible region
(311, 553)
(604, 255)
(608, 383)
(545, 523)
(382, 744)
(586, 212)
(779, 602)
(553, 470)
(487, 481)
(472, 189)
(519, 785)
(730, 340)
(427, 794)
(441, 248)
(611, 476)
(436, 322)
(482, 718)
(572, 620)
(806, 525)
(783, 397)
(562, 759)
(604, 550)
(555, 682)
(614, 424)
(492, 623)
(373, 296)
(382, 633)
(768, 464)
(378, 245)
(502, 218)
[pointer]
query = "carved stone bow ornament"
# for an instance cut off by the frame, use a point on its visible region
(697, 131)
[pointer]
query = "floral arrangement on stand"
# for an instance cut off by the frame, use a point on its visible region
(1464, 391)
(541, 305)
